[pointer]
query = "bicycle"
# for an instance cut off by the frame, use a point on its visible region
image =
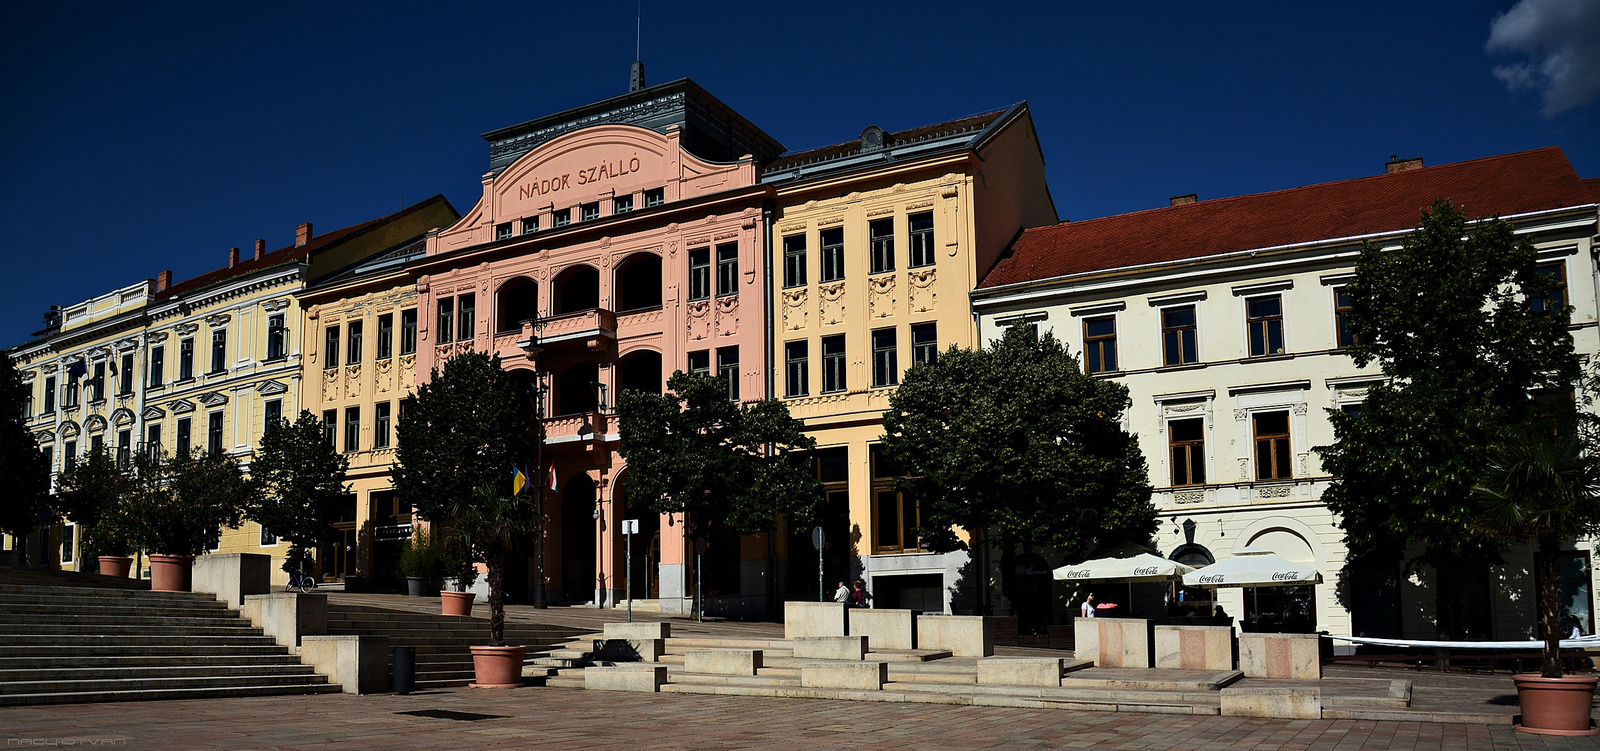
(301, 581)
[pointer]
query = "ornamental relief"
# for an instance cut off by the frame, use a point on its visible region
(880, 296)
(330, 385)
(408, 364)
(922, 295)
(830, 303)
(794, 310)
(352, 380)
(1189, 496)
(385, 375)
(727, 315)
(698, 320)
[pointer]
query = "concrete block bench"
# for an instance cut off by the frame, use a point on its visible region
(641, 678)
(860, 676)
(1112, 642)
(722, 661)
(887, 629)
(1297, 656)
(1194, 647)
(360, 664)
(961, 635)
(830, 647)
(1272, 701)
(1019, 671)
(815, 619)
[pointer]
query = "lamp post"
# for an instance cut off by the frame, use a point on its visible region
(532, 348)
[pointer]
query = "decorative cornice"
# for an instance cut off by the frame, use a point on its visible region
(272, 306)
(182, 407)
(268, 388)
(153, 412)
(214, 399)
(185, 329)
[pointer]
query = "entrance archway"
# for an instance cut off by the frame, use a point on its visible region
(643, 581)
(578, 540)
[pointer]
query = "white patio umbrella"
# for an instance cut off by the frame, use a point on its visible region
(1253, 567)
(1128, 566)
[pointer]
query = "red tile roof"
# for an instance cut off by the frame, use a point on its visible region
(290, 254)
(1495, 186)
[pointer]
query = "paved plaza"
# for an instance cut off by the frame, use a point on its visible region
(572, 719)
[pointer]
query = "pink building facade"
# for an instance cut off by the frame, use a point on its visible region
(627, 257)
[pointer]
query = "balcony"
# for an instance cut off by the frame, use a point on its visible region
(590, 327)
(584, 426)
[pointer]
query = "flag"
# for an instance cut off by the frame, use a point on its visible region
(552, 476)
(77, 369)
(518, 480)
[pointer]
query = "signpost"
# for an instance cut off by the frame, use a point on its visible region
(818, 539)
(630, 527)
(700, 545)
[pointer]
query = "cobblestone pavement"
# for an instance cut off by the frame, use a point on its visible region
(573, 719)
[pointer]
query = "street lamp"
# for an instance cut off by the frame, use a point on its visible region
(533, 349)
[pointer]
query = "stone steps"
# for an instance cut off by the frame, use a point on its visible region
(159, 683)
(159, 650)
(106, 672)
(84, 697)
(174, 628)
(132, 640)
(77, 661)
(35, 613)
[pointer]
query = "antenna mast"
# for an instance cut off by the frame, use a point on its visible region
(636, 80)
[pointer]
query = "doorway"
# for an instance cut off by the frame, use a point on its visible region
(578, 540)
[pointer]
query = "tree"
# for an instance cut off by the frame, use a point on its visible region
(24, 466)
(1447, 319)
(181, 502)
(1542, 485)
(92, 493)
(723, 465)
(1016, 439)
(300, 485)
(460, 436)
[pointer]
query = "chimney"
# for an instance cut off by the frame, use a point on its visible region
(302, 234)
(163, 280)
(233, 257)
(261, 248)
(1396, 164)
(1186, 198)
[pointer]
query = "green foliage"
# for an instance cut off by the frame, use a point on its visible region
(181, 501)
(457, 562)
(299, 479)
(22, 464)
(1017, 439)
(422, 556)
(93, 493)
(723, 465)
(459, 438)
(1542, 485)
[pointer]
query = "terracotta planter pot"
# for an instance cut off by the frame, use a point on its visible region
(1555, 706)
(498, 667)
(456, 603)
(171, 573)
(115, 565)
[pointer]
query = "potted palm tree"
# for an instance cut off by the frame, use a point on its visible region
(181, 504)
(1544, 486)
(460, 574)
(491, 528)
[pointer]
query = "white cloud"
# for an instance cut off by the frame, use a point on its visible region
(1561, 39)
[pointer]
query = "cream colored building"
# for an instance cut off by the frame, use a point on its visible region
(874, 248)
(1223, 322)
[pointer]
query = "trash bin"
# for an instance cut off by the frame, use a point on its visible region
(405, 669)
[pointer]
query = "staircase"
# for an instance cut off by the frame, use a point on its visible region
(70, 638)
(443, 642)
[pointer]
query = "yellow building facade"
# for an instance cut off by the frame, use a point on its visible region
(876, 245)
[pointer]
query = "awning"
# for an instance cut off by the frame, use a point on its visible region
(1253, 567)
(1129, 566)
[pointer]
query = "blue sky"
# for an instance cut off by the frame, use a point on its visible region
(138, 137)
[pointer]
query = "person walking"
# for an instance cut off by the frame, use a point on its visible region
(842, 594)
(1087, 610)
(859, 598)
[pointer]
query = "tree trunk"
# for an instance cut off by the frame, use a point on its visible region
(1550, 604)
(497, 600)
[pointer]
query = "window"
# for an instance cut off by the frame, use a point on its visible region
(214, 432)
(924, 343)
(1555, 298)
(589, 212)
(794, 261)
(353, 342)
(97, 384)
(1341, 317)
(183, 436)
(124, 446)
(268, 539)
(96, 442)
(1179, 344)
(699, 273)
(352, 428)
(465, 325)
(380, 426)
(69, 455)
(1187, 440)
(921, 239)
(832, 254)
(447, 320)
(125, 375)
(881, 241)
(273, 412)
(385, 336)
(330, 419)
(728, 369)
(622, 204)
(158, 366)
(796, 361)
(655, 197)
(330, 349)
(727, 269)
(1272, 445)
(69, 393)
(894, 517)
(50, 395)
(152, 441)
(561, 218)
(502, 231)
(277, 337)
(49, 457)
(219, 350)
(1100, 344)
(186, 359)
(408, 331)
(833, 363)
(885, 358)
(530, 225)
(700, 362)
(67, 542)
(1265, 317)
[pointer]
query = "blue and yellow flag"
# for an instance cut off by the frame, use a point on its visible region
(518, 480)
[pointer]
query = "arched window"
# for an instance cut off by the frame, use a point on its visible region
(640, 371)
(638, 284)
(576, 391)
(517, 301)
(577, 289)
